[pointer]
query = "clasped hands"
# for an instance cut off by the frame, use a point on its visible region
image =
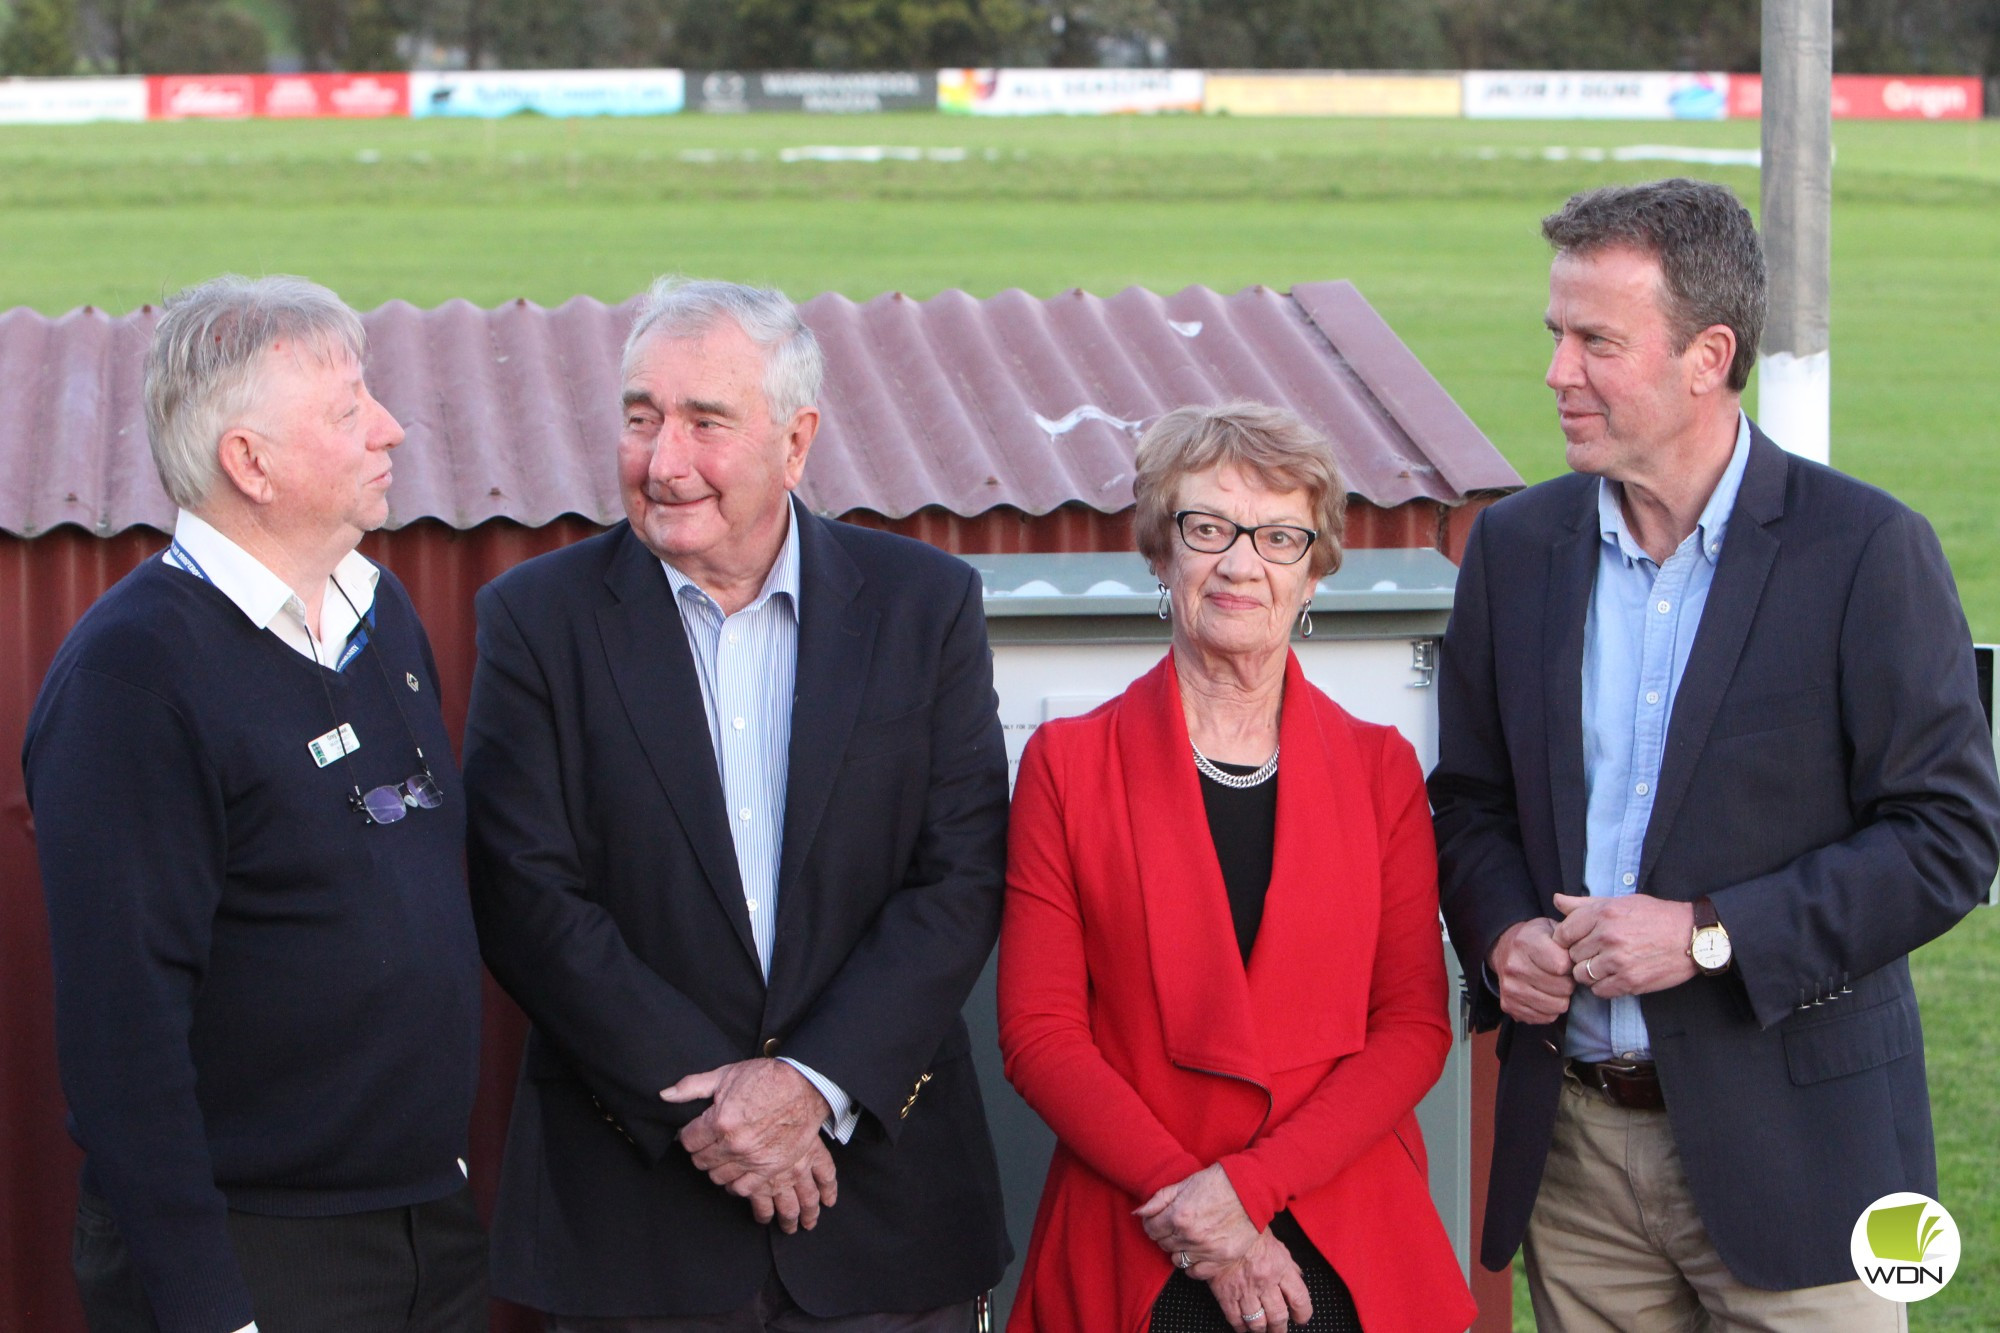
(760, 1139)
(1632, 945)
(1251, 1273)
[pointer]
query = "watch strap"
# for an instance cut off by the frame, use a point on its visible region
(1704, 913)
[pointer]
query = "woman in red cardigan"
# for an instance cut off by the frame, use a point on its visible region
(1221, 977)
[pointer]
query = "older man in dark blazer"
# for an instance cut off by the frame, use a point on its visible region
(738, 797)
(1712, 763)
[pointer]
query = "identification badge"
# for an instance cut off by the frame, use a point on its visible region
(340, 741)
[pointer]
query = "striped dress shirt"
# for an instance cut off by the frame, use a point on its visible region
(748, 664)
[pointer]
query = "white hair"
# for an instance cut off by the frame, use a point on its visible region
(202, 369)
(794, 366)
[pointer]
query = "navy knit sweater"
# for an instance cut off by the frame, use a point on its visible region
(263, 1002)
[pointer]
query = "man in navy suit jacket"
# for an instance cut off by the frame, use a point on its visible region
(1712, 763)
(738, 800)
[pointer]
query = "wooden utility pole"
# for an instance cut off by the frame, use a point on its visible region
(1793, 382)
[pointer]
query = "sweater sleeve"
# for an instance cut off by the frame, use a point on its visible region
(1364, 1096)
(130, 831)
(1044, 1000)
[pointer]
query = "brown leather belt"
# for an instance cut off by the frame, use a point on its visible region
(1634, 1085)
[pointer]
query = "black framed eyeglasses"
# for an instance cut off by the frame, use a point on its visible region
(386, 804)
(1212, 534)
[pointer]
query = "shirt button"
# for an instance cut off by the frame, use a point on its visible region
(751, 904)
(744, 814)
(1628, 878)
(732, 633)
(1652, 696)
(1664, 606)
(1641, 789)
(738, 724)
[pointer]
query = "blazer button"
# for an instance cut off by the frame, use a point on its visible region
(770, 1047)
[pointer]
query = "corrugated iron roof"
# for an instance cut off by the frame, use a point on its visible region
(956, 403)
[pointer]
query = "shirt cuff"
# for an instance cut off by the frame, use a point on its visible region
(842, 1114)
(248, 1328)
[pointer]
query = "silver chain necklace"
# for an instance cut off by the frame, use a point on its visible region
(1235, 780)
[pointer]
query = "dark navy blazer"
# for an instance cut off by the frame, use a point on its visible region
(1828, 782)
(609, 906)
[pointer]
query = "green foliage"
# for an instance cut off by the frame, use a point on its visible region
(347, 34)
(40, 38)
(200, 37)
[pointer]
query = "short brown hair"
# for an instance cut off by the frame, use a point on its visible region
(1711, 262)
(1270, 443)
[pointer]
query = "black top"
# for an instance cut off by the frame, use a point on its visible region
(263, 1002)
(1243, 821)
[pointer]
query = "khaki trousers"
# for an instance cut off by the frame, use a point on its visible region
(1615, 1244)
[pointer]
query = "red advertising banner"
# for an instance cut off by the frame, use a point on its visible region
(200, 96)
(238, 96)
(344, 96)
(1875, 97)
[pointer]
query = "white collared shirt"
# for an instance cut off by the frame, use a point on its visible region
(747, 664)
(268, 600)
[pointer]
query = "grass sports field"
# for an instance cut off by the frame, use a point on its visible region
(1435, 221)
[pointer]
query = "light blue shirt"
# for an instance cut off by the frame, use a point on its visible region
(748, 664)
(1636, 638)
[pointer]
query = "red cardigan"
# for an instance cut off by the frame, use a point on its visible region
(1130, 1023)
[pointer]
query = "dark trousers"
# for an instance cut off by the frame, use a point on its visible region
(420, 1269)
(773, 1310)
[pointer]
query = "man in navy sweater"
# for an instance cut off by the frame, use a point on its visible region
(250, 829)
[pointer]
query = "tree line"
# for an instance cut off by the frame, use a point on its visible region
(215, 36)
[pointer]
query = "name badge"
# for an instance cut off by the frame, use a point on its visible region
(340, 741)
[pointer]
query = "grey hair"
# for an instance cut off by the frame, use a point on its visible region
(794, 365)
(202, 368)
(1270, 443)
(1704, 242)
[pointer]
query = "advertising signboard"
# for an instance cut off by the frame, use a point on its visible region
(1068, 92)
(1876, 97)
(1247, 93)
(71, 101)
(555, 92)
(345, 96)
(1583, 95)
(833, 92)
(201, 96)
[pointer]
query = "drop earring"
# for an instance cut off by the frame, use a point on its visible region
(1166, 606)
(1306, 621)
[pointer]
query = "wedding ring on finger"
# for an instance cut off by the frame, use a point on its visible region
(1183, 1260)
(1590, 971)
(1254, 1316)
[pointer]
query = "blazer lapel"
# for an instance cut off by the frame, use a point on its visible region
(654, 670)
(1198, 978)
(1748, 552)
(1572, 575)
(1313, 961)
(836, 641)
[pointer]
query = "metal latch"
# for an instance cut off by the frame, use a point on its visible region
(1423, 661)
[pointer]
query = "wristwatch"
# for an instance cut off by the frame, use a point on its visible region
(1709, 946)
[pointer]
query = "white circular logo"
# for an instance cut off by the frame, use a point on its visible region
(1905, 1247)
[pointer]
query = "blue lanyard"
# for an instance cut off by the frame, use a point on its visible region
(182, 559)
